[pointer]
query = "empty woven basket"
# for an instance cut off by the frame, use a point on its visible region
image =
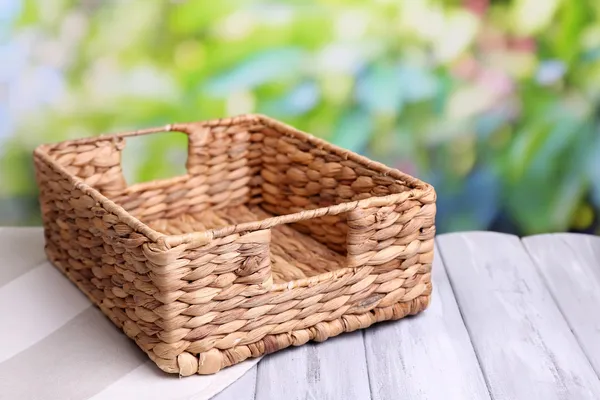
(272, 238)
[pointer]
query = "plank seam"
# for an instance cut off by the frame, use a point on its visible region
(364, 339)
(258, 368)
(462, 317)
(555, 300)
(256, 380)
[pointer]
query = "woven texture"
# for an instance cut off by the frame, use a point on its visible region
(272, 238)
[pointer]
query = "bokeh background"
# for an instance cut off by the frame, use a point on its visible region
(496, 103)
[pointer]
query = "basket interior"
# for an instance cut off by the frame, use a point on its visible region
(294, 255)
(247, 172)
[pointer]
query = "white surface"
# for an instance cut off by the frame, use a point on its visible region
(333, 369)
(55, 345)
(242, 389)
(145, 382)
(516, 325)
(428, 357)
(29, 242)
(525, 347)
(570, 265)
(34, 305)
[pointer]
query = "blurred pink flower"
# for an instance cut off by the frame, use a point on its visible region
(491, 39)
(465, 68)
(478, 7)
(524, 44)
(498, 81)
(406, 166)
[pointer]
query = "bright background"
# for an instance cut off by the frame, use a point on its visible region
(496, 103)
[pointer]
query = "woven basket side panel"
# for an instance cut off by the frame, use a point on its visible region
(398, 237)
(103, 256)
(98, 163)
(298, 176)
(229, 158)
(211, 294)
(324, 329)
(223, 171)
(223, 312)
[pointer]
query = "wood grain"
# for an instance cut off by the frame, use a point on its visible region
(428, 356)
(524, 345)
(334, 369)
(242, 389)
(570, 265)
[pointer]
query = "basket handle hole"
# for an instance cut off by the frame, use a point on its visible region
(154, 157)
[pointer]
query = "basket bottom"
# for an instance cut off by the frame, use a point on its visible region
(294, 255)
(214, 360)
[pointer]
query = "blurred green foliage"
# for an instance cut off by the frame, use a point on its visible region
(496, 103)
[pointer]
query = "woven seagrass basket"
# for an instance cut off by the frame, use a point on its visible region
(272, 238)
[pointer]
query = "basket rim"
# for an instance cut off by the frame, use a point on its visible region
(418, 188)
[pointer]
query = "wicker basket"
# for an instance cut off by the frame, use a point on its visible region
(273, 238)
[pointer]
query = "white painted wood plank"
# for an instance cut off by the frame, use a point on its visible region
(428, 356)
(334, 369)
(524, 345)
(242, 389)
(570, 265)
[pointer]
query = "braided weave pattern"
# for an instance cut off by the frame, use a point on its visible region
(273, 238)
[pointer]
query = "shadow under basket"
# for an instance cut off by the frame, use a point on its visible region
(272, 238)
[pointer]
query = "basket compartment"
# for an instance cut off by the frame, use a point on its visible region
(294, 255)
(271, 239)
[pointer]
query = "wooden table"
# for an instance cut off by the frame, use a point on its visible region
(509, 319)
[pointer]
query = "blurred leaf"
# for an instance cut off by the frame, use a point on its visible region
(571, 17)
(29, 12)
(299, 100)
(593, 171)
(312, 25)
(321, 121)
(528, 138)
(271, 65)
(336, 87)
(380, 89)
(156, 156)
(455, 35)
(194, 16)
(468, 205)
(592, 55)
(353, 131)
(531, 16)
(488, 123)
(583, 218)
(417, 83)
(468, 101)
(20, 210)
(517, 64)
(547, 194)
(17, 175)
(443, 94)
